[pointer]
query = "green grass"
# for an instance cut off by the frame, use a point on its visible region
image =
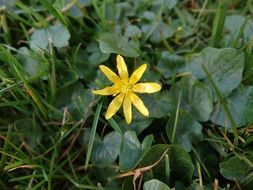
(53, 133)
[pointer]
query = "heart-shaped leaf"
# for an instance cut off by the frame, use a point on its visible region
(115, 43)
(224, 66)
(131, 150)
(240, 105)
(194, 96)
(234, 168)
(57, 35)
(33, 62)
(106, 151)
(186, 131)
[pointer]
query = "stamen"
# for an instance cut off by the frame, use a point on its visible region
(126, 88)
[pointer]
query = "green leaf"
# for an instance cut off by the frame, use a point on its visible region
(160, 31)
(181, 167)
(187, 131)
(170, 4)
(96, 56)
(225, 67)
(167, 4)
(33, 63)
(115, 43)
(131, 151)
(168, 63)
(57, 35)
(239, 25)
(158, 104)
(138, 124)
(106, 152)
(240, 104)
(234, 24)
(133, 31)
(9, 5)
(111, 11)
(82, 101)
(195, 97)
(155, 184)
(76, 99)
(29, 131)
(234, 168)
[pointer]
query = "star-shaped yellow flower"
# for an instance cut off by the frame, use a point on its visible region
(124, 88)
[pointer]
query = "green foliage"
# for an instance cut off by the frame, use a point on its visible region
(155, 184)
(178, 168)
(123, 46)
(185, 131)
(234, 168)
(240, 104)
(53, 132)
(225, 67)
(194, 96)
(56, 35)
(105, 152)
(131, 151)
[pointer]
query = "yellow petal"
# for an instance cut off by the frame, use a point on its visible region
(114, 106)
(109, 74)
(137, 74)
(147, 87)
(127, 109)
(138, 103)
(106, 91)
(122, 68)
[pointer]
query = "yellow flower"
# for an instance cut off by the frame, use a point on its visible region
(124, 88)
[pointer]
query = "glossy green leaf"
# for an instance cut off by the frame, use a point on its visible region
(82, 101)
(234, 24)
(181, 167)
(133, 31)
(96, 56)
(240, 104)
(138, 124)
(194, 96)
(238, 25)
(225, 67)
(131, 150)
(106, 152)
(77, 100)
(155, 184)
(115, 43)
(33, 63)
(159, 104)
(234, 168)
(157, 31)
(57, 35)
(186, 132)
(168, 63)
(110, 10)
(167, 4)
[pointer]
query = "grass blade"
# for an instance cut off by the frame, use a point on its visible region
(51, 9)
(92, 134)
(218, 24)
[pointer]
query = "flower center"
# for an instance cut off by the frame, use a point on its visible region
(126, 88)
